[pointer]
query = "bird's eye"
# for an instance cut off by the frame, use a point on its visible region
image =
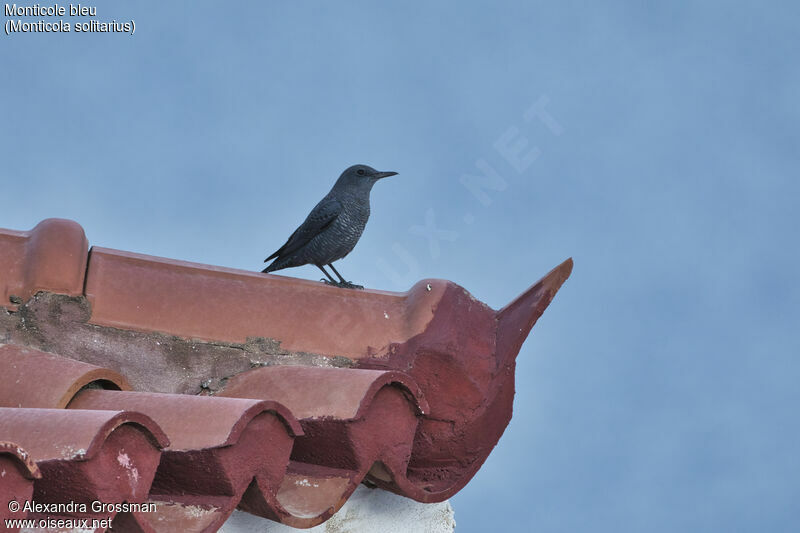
(360, 172)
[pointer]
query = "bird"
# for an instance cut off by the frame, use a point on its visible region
(333, 227)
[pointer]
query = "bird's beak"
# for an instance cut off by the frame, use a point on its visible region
(379, 175)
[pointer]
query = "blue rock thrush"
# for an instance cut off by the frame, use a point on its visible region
(333, 227)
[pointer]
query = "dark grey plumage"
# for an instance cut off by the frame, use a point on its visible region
(333, 227)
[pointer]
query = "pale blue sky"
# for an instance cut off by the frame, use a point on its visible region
(660, 391)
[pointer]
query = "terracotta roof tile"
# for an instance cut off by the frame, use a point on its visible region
(83, 456)
(14, 454)
(50, 257)
(57, 379)
(352, 419)
(314, 392)
(76, 435)
(17, 472)
(180, 415)
(423, 391)
(140, 292)
(218, 446)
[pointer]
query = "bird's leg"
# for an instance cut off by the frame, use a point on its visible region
(343, 283)
(341, 279)
(332, 281)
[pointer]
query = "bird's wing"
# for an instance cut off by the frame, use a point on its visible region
(320, 218)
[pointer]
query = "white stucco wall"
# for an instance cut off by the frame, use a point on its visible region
(367, 511)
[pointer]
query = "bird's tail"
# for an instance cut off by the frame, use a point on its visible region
(275, 265)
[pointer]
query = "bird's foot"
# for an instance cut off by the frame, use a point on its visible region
(341, 285)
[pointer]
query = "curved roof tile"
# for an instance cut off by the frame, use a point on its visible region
(426, 393)
(57, 379)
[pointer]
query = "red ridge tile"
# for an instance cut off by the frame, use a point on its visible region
(144, 293)
(50, 257)
(474, 348)
(515, 320)
(57, 378)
